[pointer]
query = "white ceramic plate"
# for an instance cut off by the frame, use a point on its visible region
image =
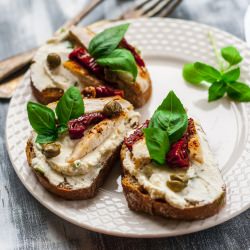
(166, 44)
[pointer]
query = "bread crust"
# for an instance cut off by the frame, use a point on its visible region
(73, 194)
(47, 95)
(133, 93)
(139, 200)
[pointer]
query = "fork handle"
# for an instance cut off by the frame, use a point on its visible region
(13, 64)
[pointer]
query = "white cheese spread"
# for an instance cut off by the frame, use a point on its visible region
(43, 77)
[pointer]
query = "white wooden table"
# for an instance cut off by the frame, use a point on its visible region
(25, 224)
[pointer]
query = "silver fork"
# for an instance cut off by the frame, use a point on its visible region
(151, 8)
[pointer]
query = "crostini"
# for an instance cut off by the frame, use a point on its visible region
(168, 167)
(75, 142)
(79, 57)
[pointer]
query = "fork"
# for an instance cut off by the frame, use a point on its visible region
(151, 8)
(20, 62)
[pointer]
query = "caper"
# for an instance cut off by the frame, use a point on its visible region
(53, 60)
(51, 149)
(112, 108)
(177, 182)
(148, 171)
(179, 177)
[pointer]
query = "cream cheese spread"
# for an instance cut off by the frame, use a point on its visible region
(43, 77)
(204, 186)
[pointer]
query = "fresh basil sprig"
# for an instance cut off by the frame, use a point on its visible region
(119, 60)
(167, 125)
(70, 106)
(223, 81)
(104, 48)
(43, 120)
(106, 41)
(157, 142)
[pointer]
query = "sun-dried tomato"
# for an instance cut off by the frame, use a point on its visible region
(136, 136)
(178, 154)
(132, 49)
(77, 126)
(81, 56)
(104, 91)
(101, 91)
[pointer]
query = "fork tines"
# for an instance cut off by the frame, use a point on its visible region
(151, 8)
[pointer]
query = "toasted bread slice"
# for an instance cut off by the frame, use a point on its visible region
(48, 85)
(82, 165)
(146, 190)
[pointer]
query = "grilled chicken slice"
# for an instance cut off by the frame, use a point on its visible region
(94, 137)
(194, 146)
(140, 153)
(81, 35)
(82, 74)
(97, 104)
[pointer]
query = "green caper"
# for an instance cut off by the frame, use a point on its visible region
(112, 108)
(53, 60)
(177, 182)
(148, 171)
(179, 177)
(51, 149)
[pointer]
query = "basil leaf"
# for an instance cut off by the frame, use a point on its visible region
(209, 73)
(120, 59)
(62, 129)
(41, 118)
(108, 40)
(171, 116)
(216, 91)
(231, 55)
(70, 106)
(232, 75)
(238, 91)
(157, 143)
(190, 74)
(42, 139)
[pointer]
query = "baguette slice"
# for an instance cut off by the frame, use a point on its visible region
(146, 191)
(71, 180)
(48, 85)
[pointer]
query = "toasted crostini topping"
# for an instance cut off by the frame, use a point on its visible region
(112, 108)
(194, 146)
(51, 149)
(133, 50)
(178, 154)
(77, 126)
(81, 56)
(53, 60)
(177, 182)
(135, 136)
(140, 153)
(101, 91)
(183, 151)
(94, 137)
(89, 92)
